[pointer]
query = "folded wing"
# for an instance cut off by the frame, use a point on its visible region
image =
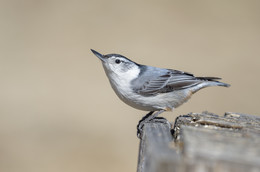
(170, 81)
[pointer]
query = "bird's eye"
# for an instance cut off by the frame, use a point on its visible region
(118, 61)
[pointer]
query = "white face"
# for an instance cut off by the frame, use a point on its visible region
(119, 69)
(120, 65)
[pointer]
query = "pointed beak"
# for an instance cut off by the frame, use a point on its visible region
(100, 56)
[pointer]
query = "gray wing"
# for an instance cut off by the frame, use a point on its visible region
(155, 80)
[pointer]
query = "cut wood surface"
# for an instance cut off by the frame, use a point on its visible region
(202, 142)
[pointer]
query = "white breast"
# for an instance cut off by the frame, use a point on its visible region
(121, 82)
(122, 87)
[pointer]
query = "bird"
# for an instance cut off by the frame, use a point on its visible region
(151, 88)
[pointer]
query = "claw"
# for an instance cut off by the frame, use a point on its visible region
(154, 120)
(141, 124)
(140, 129)
(150, 117)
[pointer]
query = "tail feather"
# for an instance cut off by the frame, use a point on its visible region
(214, 81)
(209, 78)
(222, 84)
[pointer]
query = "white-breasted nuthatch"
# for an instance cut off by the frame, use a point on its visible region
(151, 88)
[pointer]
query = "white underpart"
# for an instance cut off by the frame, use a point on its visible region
(121, 83)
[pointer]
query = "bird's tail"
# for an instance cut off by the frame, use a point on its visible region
(213, 81)
(208, 82)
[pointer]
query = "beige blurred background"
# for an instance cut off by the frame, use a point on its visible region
(57, 110)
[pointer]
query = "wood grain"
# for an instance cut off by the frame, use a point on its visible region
(202, 142)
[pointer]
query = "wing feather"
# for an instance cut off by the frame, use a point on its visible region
(171, 81)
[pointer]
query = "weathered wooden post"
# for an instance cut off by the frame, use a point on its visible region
(202, 143)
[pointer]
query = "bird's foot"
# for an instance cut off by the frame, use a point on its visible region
(154, 120)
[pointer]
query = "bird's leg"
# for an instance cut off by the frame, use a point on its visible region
(156, 114)
(148, 118)
(141, 123)
(155, 118)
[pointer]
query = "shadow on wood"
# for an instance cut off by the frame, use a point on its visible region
(201, 143)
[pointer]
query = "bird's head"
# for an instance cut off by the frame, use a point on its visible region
(118, 64)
